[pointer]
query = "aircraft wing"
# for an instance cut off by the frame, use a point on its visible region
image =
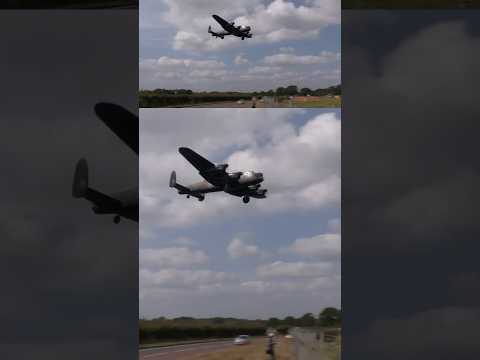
(198, 161)
(121, 121)
(225, 24)
(213, 174)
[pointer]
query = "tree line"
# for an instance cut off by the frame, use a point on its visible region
(290, 90)
(189, 328)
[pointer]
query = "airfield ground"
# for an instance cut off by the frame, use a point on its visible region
(325, 102)
(254, 351)
(284, 350)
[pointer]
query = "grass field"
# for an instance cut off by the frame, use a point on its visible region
(324, 103)
(254, 351)
(409, 4)
(333, 350)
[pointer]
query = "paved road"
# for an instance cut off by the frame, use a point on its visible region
(176, 352)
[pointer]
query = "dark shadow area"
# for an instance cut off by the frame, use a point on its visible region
(410, 4)
(410, 175)
(70, 277)
(70, 4)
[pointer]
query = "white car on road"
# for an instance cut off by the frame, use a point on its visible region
(242, 340)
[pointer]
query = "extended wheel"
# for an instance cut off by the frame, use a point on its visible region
(117, 219)
(243, 38)
(201, 199)
(188, 196)
(246, 199)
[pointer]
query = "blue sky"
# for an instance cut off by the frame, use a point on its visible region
(277, 256)
(294, 42)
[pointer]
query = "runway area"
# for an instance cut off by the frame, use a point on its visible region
(176, 352)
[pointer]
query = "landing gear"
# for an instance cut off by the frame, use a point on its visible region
(243, 38)
(188, 196)
(246, 199)
(116, 219)
(201, 198)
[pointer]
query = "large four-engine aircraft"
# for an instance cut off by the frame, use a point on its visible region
(122, 204)
(243, 184)
(230, 29)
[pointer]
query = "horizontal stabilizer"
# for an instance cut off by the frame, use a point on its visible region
(173, 183)
(80, 189)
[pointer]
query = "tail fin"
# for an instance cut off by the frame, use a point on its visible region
(173, 179)
(80, 179)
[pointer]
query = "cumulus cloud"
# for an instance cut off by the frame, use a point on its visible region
(181, 278)
(323, 245)
(292, 59)
(238, 248)
(240, 60)
(271, 22)
(172, 256)
(294, 269)
(263, 139)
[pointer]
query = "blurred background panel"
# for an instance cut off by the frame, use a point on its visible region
(69, 276)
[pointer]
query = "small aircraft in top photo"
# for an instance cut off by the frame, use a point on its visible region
(243, 184)
(240, 31)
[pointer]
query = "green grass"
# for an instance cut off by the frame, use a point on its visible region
(327, 102)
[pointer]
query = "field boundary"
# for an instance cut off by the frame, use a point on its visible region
(152, 346)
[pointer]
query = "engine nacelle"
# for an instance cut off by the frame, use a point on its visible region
(222, 167)
(262, 192)
(254, 187)
(235, 175)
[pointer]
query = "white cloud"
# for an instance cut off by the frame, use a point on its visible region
(264, 69)
(275, 21)
(240, 60)
(292, 59)
(185, 241)
(171, 257)
(294, 269)
(326, 246)
(181, 278)
(238, 248)
(309, 177)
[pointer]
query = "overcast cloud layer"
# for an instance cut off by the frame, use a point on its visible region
(273, 257)
(410, 185)
(294, 43)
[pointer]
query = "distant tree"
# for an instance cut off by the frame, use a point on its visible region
(330, 316)
(291, 90)
(289, 320)
(280, 91)
(270, 92)
(273, 322)
(218, 320)
(305, 91)
(307, 320)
